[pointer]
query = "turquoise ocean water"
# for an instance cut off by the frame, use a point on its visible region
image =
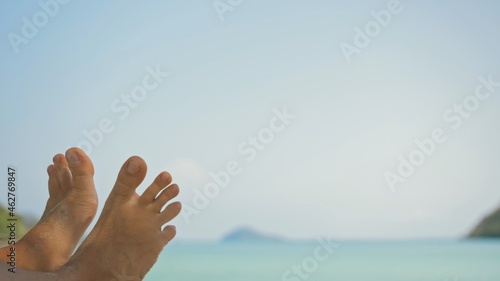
(468, 260)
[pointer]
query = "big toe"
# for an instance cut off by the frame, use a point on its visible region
(129, 178)
(82, 169)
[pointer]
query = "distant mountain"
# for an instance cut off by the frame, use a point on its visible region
(489, 226)
(246, 234)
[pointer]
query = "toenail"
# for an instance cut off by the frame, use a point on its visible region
(57, 159)
(133, 167)
(164, 178)
(73, 158)
(174, 187)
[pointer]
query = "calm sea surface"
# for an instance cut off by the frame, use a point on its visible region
(475, 260)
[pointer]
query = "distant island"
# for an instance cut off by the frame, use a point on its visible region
(246, 234)
(489, 227)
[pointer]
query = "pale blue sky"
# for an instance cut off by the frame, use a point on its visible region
(324, 175)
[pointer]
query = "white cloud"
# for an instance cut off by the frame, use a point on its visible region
(188, 173)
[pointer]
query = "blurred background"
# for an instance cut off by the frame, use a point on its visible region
(362, 83)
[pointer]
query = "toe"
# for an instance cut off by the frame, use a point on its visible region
(82, 169)
(166, 195)
(129, 178)
(54, 184)
(63, 172)
(168, 233)
(170, 212)
(161, 181)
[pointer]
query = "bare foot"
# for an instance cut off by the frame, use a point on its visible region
(70, 210)
(128, 237)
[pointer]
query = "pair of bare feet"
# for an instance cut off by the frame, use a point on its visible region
(124, 244)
